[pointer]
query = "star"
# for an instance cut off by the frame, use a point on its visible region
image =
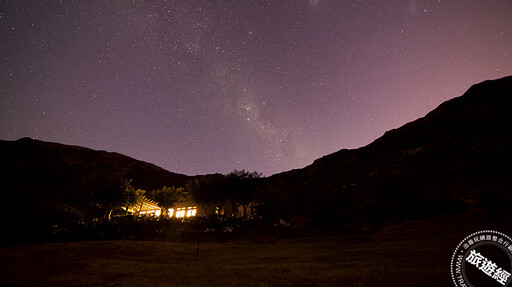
(210, 86)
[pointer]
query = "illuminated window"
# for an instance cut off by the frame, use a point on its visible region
(171, 212)
(192, 211)
(180, 212)
(157, 213)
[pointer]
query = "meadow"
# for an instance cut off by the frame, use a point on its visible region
(409, 254)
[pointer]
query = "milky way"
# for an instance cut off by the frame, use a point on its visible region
(210, 86)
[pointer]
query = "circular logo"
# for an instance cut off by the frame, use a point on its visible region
(483, 258)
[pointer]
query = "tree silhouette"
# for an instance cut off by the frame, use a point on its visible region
(241, 187)
(168, 196)
(108, 198)
(132, 197)
(207, 191)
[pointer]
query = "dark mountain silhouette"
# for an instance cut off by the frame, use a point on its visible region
(456, 158)
(38, 176)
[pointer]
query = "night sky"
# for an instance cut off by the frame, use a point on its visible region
(211, 86)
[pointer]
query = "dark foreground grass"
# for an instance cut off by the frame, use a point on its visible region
(396, 258)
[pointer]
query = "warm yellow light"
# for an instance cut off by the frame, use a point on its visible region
(191, 211)
(180, 212)
(171, 212)
(157, 213)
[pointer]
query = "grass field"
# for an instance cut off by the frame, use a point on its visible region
(411, 254)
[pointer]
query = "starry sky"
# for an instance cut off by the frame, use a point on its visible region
(211, 86)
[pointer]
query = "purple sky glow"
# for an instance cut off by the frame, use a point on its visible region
(210, 86)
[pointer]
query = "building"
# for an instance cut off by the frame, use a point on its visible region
(150, 207)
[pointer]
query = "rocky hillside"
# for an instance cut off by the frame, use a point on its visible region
(34, 173)
(456, 158)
